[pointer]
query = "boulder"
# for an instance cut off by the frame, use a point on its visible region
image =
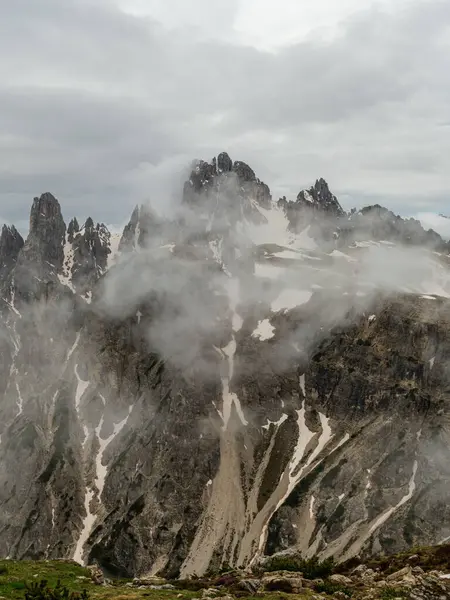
(249, 585)
(96, 574)
(399, 575)
(210, 593)
(149, 580)
(282, 581)
(340, 579)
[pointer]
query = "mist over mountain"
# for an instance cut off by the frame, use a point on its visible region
(236, 377)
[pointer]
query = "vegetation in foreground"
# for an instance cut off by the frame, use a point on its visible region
(66, 580)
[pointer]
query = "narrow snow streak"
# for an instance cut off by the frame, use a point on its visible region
(311, 508)
(87, 526)
(295, 472)
(81, 388)
(75, 344)
(100, 477)
(19, 401)
(302, 384)
(230, 398)
(101, 469)
(385, 516)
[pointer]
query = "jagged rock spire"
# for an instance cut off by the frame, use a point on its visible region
(72, 229)
(319, 198)
(47, 231)
(11, 242)
(91, 248)
(145, 229)
(41, 258)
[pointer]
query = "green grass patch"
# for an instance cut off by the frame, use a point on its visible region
(330, 588)
(389, 593)
(15, 576)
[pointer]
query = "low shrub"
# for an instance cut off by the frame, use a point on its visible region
(330, 588)
(41, 591)
(389, 593)
(312, 568)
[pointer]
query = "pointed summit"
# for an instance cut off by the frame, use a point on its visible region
(145, 229)
(91, 248)
(47, 231)
(73, 229)
(11, 243)
(321, 199)
(42, 256)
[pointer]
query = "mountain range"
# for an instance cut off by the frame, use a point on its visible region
(243, 377)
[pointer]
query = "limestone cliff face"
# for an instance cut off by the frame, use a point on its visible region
(200, 392)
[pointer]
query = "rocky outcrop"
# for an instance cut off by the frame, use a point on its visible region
(42, 256)
(72, 230)
(11, 243)
(233, 188)
(319, 210)
(90, 250)
(379, 223)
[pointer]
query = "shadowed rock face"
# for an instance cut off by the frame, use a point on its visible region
(168, 416)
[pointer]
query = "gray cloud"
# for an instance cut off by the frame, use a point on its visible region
(99, 106)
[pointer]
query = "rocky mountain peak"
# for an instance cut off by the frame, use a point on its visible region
(227, 188)
(11, 242)
(72, 229)
(243, 171)
(319, 198)
(91, 247)
(224, 163)
(130, 236)
(45, 240)
(145, 229)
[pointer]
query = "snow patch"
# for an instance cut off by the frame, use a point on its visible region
(66, 276)
(302, 384)
(276, 423)
(264, 331)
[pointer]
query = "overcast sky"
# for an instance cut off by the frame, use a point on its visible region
(102, 102)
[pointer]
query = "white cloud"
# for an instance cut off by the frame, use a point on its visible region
(97, 103)
(434, 221)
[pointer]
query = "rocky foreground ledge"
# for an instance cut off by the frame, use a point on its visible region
(421, 574)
